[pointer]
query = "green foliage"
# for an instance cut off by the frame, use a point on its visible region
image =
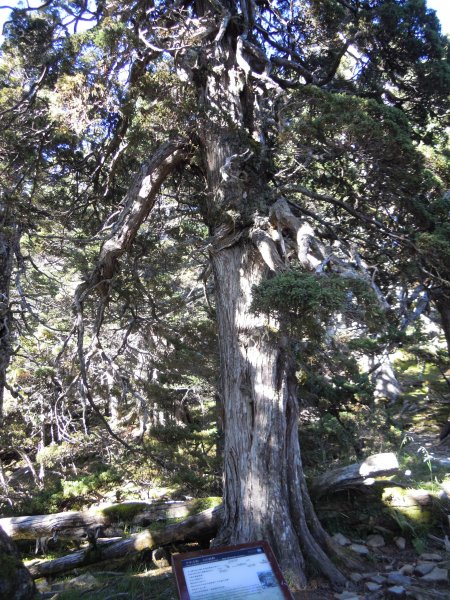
(436, 245)
(423, 472)
(300, 294)
(42, 502)
(123, 512)
(54, 454)
(32, 35)
(344, 434)
(202, 504)
(191, 449)
(85, 484)
(342, 137)
(365, 345)
(310, 301)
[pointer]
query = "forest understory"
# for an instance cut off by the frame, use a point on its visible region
(399, 530)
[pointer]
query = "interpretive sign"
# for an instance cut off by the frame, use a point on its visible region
(246, 571)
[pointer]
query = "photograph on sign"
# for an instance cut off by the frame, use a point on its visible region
(234, 574)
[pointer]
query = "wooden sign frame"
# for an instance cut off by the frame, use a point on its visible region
(271, 578)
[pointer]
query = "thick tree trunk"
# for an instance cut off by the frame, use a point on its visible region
(265, 494)
(8, 238)
(442, 303)
(15, 580)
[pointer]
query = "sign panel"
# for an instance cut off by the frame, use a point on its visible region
(243, 572)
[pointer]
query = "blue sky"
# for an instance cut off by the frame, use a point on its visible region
(442, 7)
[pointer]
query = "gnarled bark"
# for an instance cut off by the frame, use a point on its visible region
(265, 494)
(15, 580)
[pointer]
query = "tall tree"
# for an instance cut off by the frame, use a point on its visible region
(23, 137)
(247, 64)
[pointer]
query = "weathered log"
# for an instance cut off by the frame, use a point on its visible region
(194, 528)
(355, 475)
(15, 580)
(105, 520)
(200, 526)
(79, 525)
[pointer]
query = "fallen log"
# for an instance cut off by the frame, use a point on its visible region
(104, 521)
(356, 475)
(201, 526)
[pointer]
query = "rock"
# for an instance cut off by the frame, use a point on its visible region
(356, 577)
(421, 497)
(430, 556)
(359, 549)
(398, 579)
(378, 579)
(43, 587)
(407, 570)
(442, 495)
(82, 582)
(372, 586)
(397, 591)
(400, 542)
(424, 568)
(347, 595)
(376, 541)
(422, 594)
(340, 539)
(436, 574)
